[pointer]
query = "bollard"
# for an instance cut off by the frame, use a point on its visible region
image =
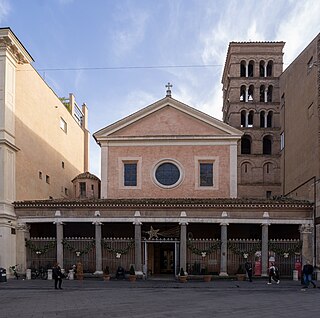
(49, 274)
(28, 273)
(295, 275)
(71, 274)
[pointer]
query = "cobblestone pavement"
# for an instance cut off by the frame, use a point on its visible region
(155, 299)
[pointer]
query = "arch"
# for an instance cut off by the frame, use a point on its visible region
(243, 93)
(262, 90)
(246, 172)
(251, 93)
(268, 172)
(262, 119)
(243, 65)
(269, 118)
(251, 69)
(250, 118)
(267, 145)
(246, 141)
(262, 68)
(270, 68)
(243, 118)
(269, 94)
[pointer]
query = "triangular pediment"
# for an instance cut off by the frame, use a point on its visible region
(167, 118)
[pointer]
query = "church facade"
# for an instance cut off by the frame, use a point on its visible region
(168, 201)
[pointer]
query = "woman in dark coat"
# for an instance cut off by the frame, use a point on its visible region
(57, 276)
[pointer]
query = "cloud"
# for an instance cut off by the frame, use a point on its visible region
(299, 28)
(4, 10)
(129, 30)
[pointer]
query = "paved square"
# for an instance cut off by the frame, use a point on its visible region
(154, 299)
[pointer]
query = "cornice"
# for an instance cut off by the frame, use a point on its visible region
(166, 203)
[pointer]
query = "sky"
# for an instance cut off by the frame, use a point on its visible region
(117, 55)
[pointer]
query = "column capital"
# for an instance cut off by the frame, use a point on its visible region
(137, 222)
(306, 228)
(224, 222)
(23, 227)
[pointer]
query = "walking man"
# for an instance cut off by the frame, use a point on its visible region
(57, 276)
(307, 275)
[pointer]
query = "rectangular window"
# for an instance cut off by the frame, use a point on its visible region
(62, 164)
(63, 125)
(66, 191)
(282, 141)
(40, 175)
(82, 189)
(206, 174)
(130, 174)
(47, 179)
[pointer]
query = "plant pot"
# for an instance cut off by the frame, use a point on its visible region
(79, 276)
(106, 277)
(207, 278)
(241, 276)
(132, 278)
(183, 279)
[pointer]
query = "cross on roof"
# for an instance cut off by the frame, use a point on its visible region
(168, 86)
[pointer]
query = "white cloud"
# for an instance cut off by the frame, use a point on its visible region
(299, 28)
(129, 30)
(4, 10)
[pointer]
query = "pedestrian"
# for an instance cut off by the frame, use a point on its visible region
(273, 274)
(57, 276)
(307, 275)
(248, 267)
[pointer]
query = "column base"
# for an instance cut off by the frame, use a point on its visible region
(223, 274)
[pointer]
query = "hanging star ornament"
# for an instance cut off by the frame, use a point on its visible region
(153, 233)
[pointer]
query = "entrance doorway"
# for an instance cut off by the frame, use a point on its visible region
(161, 259)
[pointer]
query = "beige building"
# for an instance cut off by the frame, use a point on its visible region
(300, 146)
(251, 104)
(43, 141)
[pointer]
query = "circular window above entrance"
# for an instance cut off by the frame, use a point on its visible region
(167, 174)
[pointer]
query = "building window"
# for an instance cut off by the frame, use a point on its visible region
(206, 174)
(267, 145)
(130, 174)
(269, 68)
(92, 187)
(268, 194)
(82, 186)
(66, 191)
(40, 175)
(167, 174)
(62, 164)
(246, 145)
(282, 141)
(63, 125)
(47, 179)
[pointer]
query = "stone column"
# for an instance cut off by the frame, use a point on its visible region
(247, 69)
(224, 249)
(265, 94)
(59, 236)
(265, 249)
(23, 234)
(307, 243)
(98, 247)
(137, 246)
(265, 70)
(183, 242)
(247, 94)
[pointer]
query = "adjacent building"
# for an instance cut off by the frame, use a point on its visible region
(300, 128)
(44, 140)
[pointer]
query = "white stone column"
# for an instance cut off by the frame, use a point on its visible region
(224, 249)
(183, 241)
(265, 248)
(97, 225)
(59, 237)
(266, 95)
(265, 70)
(23, 234)
(137, 243)
(247, 69)
(247, 94)
(265, 120)
(306, 231)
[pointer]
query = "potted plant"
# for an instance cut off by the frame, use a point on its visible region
(106, 273)
(79, 271)
(206, 276)
(132, 274)
(182, 276)
(241, 273)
